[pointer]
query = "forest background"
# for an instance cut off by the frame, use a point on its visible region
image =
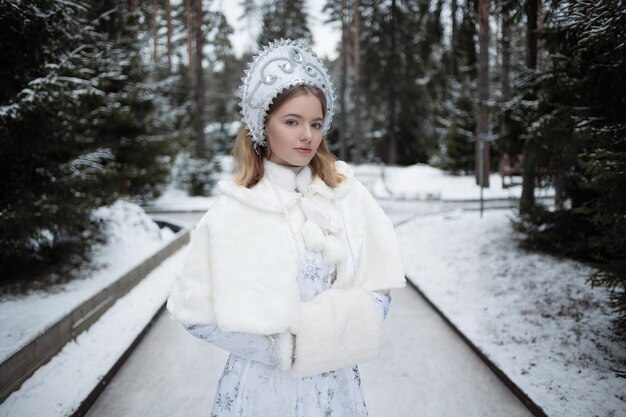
(109, 99)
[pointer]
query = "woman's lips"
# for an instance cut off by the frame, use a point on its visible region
(304, 150)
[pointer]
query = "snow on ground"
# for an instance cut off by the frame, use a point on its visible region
(414, 182)
(83, 362)
(175, 199)
(533, 315)
(424, 182)
(133, 237)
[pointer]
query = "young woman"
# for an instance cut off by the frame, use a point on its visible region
(291, 268)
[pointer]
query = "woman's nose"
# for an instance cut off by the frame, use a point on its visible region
(306, 133)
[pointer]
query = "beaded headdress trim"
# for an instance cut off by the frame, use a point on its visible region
(282, 64)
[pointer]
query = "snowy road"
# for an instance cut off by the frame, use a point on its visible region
(425, 369)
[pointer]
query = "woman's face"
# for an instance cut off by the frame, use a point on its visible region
(294, 130)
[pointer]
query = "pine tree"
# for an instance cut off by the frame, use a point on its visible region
(133, 117)
(580, 127)
(358, 129)
(196, 32)
(80, 128)
(52, 174)
(531, 151)
(223, 83)
(170, 34)
(397, 54)
(458, 119)
(344, 18)
(482, 146)
(251, 13)
(198, 72)
(347, 139)
(285, 19)
(508, 124)
(458, 148)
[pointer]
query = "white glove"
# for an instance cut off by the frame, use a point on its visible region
(274, 350)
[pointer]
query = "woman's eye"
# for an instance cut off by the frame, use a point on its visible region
(317, 125)
(291, 122)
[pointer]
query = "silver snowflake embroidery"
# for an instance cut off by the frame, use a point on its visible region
(330, 393)
(230, 364)
(332, 374)
(357, 376)
(311, 270)
(224, 402)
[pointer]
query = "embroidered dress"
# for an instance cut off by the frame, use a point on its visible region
(253, 385)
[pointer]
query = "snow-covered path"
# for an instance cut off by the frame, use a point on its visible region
(425, 369)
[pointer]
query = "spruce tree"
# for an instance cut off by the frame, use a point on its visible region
(133, 116)
(399, 40)
(52, 175)
(223, 83)
(285, 19)
(80, 128)
(193, 167)
(580, 127)
(457, 119)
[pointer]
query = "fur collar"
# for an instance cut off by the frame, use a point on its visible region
(294, 186)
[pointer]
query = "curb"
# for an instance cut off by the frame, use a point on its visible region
(22, 364)
(169, 210)
(519, 393)
(453, 201)
(92, 397)
(444, 211)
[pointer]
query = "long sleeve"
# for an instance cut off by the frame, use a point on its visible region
(274, 350)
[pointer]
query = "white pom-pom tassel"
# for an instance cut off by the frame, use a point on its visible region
(333, 251)
(313, 236)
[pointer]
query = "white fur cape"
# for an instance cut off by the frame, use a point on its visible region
(241, 268)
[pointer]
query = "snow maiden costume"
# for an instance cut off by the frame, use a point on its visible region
(290, 275)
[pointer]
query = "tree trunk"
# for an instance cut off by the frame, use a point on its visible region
(199, 78)
(133, 10)
(506, 69)
(170, 29)
(453, 61)
(531, 33)
(527, 199)
(155, 32)
(190, 34)
(343, 60)
(506, 53)
(393, 59)
(356, 51)
(482, 122)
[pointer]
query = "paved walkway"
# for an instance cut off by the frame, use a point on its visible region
(425, 370)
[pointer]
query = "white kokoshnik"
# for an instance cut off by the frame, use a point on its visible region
(282, 64)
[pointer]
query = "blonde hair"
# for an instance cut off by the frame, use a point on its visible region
(250, 165)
